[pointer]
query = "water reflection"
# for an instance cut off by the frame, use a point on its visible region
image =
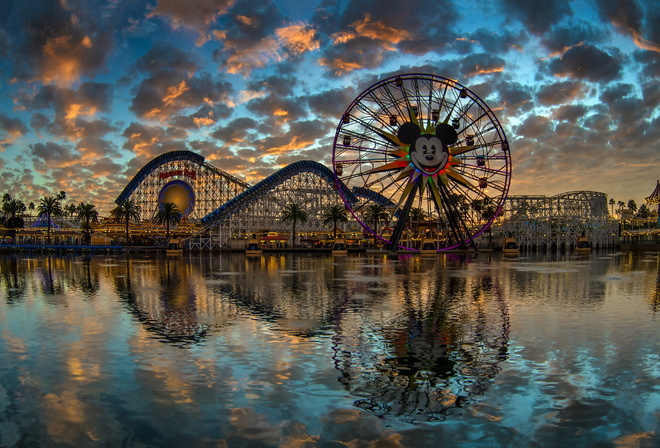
(168, 296)
(426, 349)
(305, 350)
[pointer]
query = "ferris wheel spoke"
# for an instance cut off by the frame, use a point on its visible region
(403, 217)
(388, 137)
(397, 104)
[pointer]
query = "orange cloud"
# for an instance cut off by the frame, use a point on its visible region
(645, 44)
(174, 92)
(484, 71)
(339, 66)
(61, 59)
(379, 31)
(203, 121)
(298, 38)
(289, 40)
(293, 145)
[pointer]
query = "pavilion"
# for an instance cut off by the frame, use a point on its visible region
(655, 199)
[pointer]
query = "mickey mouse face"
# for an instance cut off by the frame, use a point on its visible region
(429, 154)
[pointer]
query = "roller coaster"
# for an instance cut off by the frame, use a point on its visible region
(228, 209)
(556, 222)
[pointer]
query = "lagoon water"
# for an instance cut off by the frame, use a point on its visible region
(303, 350)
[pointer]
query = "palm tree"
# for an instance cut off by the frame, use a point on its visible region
(632, 205)
(294, 213)
(10, 209)
(416, 215)
(375, 213)
(126, 211)
(87, 214)
(621, 204)
(334, 215)
(71, 209)
(612, 202)
(49, 207)
(61, 196)
(168, 213)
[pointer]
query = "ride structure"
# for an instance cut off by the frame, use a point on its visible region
(426, 146)
(556, 222)
(184, 178)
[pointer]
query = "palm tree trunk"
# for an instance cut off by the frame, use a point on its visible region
(127, 230)
(48, 231)
(293, 236)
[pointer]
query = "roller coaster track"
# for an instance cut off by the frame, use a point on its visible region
(265, 186)
(171, 157)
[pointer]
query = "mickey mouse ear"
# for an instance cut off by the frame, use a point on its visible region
(446, 133)
(408, 132)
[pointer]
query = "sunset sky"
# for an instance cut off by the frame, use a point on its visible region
(91, 90)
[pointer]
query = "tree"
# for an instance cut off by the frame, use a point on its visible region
(416, 215)
(168, 213)
(375, 213)
(87, 214)
(621, 204)
(49, 207)
(334, 215)
(126, 211)
(644, 211)
(11, 209)
(71, 209)
(632, 205)
(294, 213)
(612, 202)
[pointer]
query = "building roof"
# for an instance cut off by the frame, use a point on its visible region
(655, 196)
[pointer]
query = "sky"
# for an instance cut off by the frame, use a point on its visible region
(92, 90)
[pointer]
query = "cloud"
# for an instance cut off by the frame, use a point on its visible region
(628, 18)
(47, 156)
(72, 110)
(10, 130)
(168, 93)
(560, 92)
(297, 38)
(538, 17)
(286, 43)
(586, 62)
(163, 56)
(197, 15)
(55, 46)
(147, 142)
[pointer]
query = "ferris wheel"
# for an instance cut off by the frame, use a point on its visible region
(427, 159)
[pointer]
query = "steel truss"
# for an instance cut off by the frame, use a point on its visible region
(212, 187)
(555, 222)
(263, 213)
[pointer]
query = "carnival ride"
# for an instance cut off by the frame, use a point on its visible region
(429, 146)
(182, 177)
(556, 222)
